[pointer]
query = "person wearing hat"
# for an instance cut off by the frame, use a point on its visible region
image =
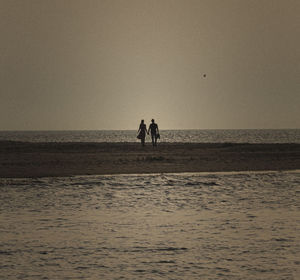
(153, 127)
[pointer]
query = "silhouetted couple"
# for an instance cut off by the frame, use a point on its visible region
(153, 128)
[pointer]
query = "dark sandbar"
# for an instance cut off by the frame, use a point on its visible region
(22, 159)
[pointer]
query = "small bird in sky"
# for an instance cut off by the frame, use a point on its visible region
(204, 75)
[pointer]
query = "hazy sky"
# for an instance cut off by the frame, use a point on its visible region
(82, 64)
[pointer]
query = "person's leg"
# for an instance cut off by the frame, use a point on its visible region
(143, 141)
(153, 139)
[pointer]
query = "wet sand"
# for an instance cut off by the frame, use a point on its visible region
(23, 159)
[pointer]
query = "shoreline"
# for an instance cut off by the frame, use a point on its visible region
(63, 159)
(200, 173)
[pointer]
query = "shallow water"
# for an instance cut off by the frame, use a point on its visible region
(186, 136)
(161, 226)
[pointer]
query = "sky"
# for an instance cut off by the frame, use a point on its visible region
(202, 64)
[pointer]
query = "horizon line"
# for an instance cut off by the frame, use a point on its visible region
(164, 129)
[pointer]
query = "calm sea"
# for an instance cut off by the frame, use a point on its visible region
(161, 226)
(194, 136)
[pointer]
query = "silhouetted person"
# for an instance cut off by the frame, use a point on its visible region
(142, 132)
(153, 128)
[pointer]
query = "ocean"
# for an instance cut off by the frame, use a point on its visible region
(185, 136)
(242, 225)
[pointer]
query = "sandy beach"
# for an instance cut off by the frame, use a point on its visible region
(22, 159)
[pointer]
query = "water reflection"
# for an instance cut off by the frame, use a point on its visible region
(212, 226)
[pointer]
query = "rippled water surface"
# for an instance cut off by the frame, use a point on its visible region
(163, 226)
(186, 136)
